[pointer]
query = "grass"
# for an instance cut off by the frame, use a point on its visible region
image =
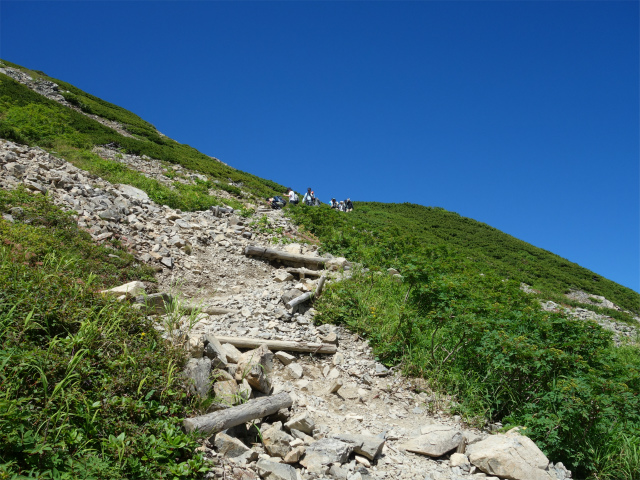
(89, 389)
(29, 118)
(458, 322)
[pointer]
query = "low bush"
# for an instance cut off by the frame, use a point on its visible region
(89, 389)
(476, 337)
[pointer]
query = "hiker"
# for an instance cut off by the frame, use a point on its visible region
(349, 205)
(333, 203)
(308, 198)
(276, 202)
(293, 196)
(341, 207)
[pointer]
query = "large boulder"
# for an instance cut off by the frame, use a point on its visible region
(511, 456)
(436, 440)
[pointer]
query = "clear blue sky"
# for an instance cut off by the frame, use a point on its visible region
(522, 115)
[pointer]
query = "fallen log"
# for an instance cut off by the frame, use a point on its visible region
(304, 272)
(217, 421)
(277, 345)
(271, 254)
(208, 309)
(298, 300)
(320, 286)
(307, 296)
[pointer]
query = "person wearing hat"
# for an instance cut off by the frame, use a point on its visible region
(308, 198)
(349, 205)
(293, 196)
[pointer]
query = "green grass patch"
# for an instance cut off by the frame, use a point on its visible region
(456, 320)
(88, 387)
(29, 118)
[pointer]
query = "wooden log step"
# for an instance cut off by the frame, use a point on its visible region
(218, 421)
(277, 345)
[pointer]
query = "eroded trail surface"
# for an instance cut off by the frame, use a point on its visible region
(351, 418)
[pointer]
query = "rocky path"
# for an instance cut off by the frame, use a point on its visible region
(351, 418)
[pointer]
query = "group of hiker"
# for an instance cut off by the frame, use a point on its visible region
(310, 199)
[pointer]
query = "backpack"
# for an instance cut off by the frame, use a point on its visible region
(277, 202)
(294, 199)
(308, 199)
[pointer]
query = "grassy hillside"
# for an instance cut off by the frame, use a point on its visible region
(28, 117)
(458, 318)
(89, 389)
(392, 226)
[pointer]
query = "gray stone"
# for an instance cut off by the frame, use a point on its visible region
(302, 422)
(295, 370)
(511, 456)
(229, 446)
(198, 371)
(285, 358)
(131, 289)
(282, 276)
(257, 367)
(232, 353)
(276, 442)
(132, 192)
(226, 392)
(167, 262)
(365, 445)
(327, 451)
(436, 440)
(214, 351)
(275, 471)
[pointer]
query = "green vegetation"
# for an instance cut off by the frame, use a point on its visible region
(88, 387)
(90, 390)
(456, 320)
(29, 118)
(392, 230)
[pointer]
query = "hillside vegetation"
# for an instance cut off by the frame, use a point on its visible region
(30, 118)
(458, 318)
(79, 370)
(89, 389)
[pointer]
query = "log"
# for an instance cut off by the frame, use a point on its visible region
(218, 421)
(277, 345)
(271, 254)
(320, 286)
(305, 272)
(208, 309)
(298, 300)
(306, 296)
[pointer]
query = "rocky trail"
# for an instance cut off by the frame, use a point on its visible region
(347, 416)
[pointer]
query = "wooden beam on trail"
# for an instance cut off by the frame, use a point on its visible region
(271, 254)
(307, 296)
(279, 345)
(305, 272)
(298, 300)
(320, 286)
(218, 421)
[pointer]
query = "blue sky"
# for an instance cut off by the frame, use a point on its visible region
(522, 115)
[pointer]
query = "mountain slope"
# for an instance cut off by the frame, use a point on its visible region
(454, 314)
